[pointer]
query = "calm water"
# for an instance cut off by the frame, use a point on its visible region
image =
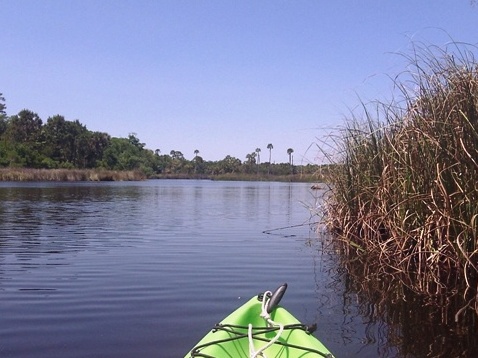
(145, 269)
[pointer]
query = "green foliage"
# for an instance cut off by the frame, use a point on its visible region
(2, 105)
(3, 115)
(24, 127)
(27, 142)
(68, 141)
(121, 154)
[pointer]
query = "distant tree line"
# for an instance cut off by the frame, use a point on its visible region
(27, 142)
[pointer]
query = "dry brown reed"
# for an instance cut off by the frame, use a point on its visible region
(404, 193)
(27, 174)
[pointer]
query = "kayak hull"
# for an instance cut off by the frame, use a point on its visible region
(230, 337)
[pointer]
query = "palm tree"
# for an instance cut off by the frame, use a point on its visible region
(196, 152)
(251, 158)
(258, 151)
(290, 151)
(270, 147)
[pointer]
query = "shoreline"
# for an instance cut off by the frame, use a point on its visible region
(71, 175)
(67, 175)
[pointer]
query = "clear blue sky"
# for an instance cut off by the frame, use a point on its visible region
(224, 77)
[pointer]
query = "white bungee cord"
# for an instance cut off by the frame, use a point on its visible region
(264, 314)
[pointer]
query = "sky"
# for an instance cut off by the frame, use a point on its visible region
(220, 76)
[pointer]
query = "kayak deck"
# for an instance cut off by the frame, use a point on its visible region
(231, 337)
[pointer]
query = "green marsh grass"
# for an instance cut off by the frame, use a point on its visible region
(405, 187)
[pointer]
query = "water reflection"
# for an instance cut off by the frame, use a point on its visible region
(80, 264)
(40, 223)
(399, 322)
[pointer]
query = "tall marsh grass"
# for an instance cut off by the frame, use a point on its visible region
(405, 189)
(28, 174)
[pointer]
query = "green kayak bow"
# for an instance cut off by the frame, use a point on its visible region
(260, 328)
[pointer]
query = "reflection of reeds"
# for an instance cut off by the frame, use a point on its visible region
(398, 320)
(405, 191)
(24, 174)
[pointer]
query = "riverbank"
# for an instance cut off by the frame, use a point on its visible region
(293, 178)
(29, 174)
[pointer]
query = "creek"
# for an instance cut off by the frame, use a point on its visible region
(145, 269)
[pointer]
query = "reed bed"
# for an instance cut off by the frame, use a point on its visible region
(28, 174)
(404, 189)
